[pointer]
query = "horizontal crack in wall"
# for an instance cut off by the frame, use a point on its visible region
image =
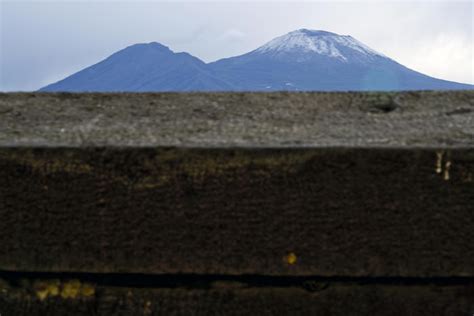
(208, 281)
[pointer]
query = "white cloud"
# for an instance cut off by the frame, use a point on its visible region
(232, 35)
(447, 54)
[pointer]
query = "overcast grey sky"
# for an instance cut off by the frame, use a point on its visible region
(42, 42)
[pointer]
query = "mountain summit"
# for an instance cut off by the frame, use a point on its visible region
(143, 67)
(302, 60)
(323, 43)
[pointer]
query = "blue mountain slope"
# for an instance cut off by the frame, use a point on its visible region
(319, 60)
(141, 68)
(302, 60)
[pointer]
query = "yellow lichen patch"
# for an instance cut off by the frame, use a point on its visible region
(42, 294)
(45, 289)
(71, 289)
(291, 258)
(49, 165)
(87, 290)
(166, 165)
(198, 166)
(67, 290)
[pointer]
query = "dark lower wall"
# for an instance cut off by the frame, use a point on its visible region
(325, 212)
(353, 299)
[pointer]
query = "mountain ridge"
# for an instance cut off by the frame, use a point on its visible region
(301, 60)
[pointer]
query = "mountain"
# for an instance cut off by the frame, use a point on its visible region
(302, 60)
(143, 67)
(319, 60)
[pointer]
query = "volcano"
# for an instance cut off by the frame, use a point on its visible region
(302, 60)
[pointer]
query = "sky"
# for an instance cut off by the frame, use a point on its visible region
(44, 41)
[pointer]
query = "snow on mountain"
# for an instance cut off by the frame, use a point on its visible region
(307, 60)
(319, 42)
(302, 60)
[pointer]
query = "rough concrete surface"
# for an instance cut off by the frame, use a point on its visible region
(234, 204)
(238, 119)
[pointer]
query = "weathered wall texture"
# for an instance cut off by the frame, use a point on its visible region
(423, 119)
(351, 212)
(342, 204)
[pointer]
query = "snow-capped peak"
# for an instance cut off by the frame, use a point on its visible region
(319, 42)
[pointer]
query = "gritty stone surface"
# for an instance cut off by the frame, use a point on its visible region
(425, 119)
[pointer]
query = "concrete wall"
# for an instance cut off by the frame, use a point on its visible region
(162, 218)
